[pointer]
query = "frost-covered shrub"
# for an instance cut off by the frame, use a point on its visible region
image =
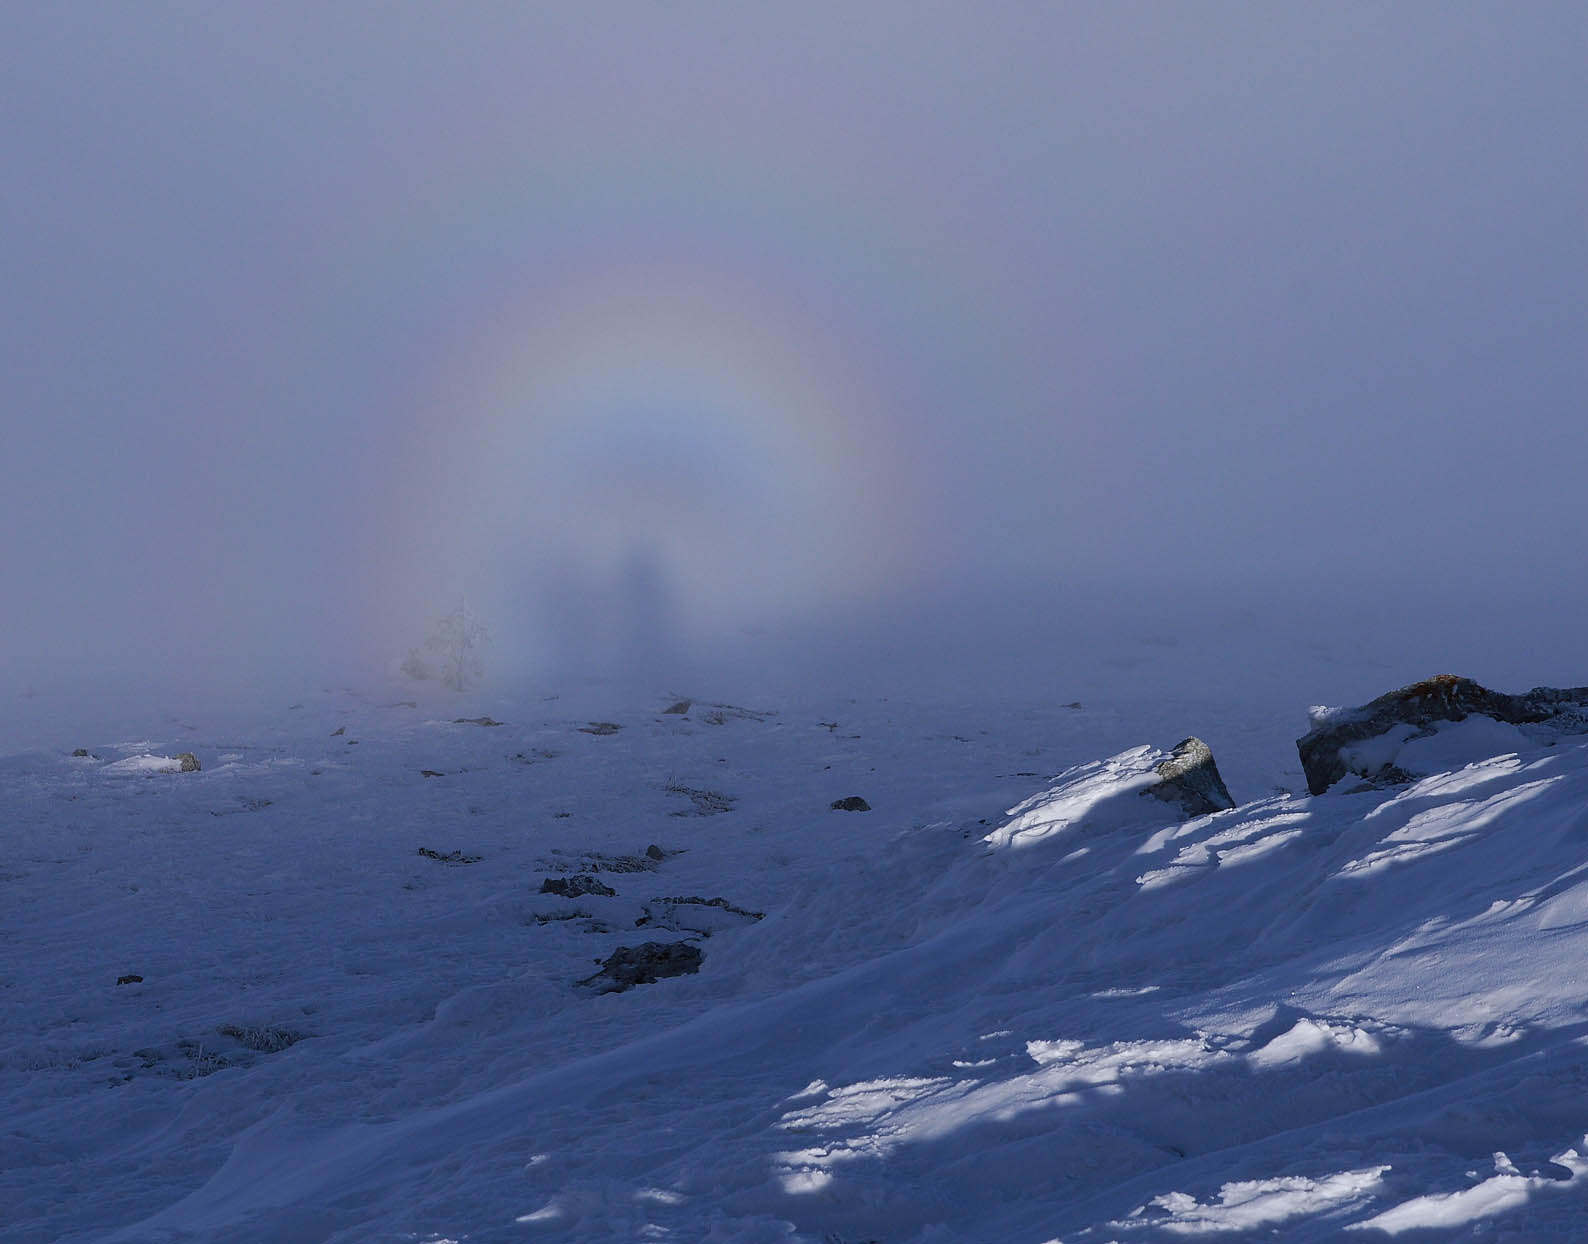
(262, 1038)
(453, 650)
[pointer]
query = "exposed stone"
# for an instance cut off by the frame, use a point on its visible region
(600, 862)
(131, 978)
(1326, 750)
(600, 727)
(678, 708)
(853, 803)
(475, 721)
(431, 773)
(629, 966)
(338, 732)
(449, 857)
(83, 752)
(1190, 780)
(576, 886)
(189, 762)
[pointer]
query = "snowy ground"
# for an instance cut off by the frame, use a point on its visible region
(1349, 1016)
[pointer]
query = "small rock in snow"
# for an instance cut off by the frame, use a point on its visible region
(576, 886)
(628, 966)
(448, 857)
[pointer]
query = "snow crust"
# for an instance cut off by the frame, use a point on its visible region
(1013, 1002)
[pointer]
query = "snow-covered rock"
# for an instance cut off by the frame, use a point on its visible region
(1392, 739)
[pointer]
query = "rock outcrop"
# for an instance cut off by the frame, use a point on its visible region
(576, 886)
(628, 966)
(1189, 779)
(1338, 743)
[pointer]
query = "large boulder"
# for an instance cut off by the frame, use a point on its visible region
(1383, 741)
(1125, 792)
(1189, 779)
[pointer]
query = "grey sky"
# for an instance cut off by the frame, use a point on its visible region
(316, 317)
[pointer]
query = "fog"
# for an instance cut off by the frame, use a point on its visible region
(951, 343)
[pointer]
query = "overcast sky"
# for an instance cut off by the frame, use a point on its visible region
(646, 326)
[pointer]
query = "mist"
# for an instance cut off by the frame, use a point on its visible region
(977, 348)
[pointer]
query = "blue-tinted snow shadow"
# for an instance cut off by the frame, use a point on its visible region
(1152, 1150)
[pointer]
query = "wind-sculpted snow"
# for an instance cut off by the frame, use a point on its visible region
(1083, 1019)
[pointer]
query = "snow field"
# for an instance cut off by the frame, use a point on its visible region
(1080, 1021)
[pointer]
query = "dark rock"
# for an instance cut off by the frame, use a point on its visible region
(84, 752)
(1190, 780)
(190, 762)
(1547, 712)
(576, 886)
(629, 966)
(678, 709)
(431, 773)
(854, 803)
(600, 862)
(132, 978)
(449, 857)
(655, 852)
(600, 727)
(475, 721)
(338, 732)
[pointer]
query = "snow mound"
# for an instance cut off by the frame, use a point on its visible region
(145, 763)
